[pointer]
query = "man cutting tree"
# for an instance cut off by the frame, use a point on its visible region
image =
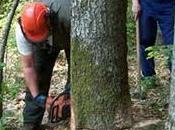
(42, 31)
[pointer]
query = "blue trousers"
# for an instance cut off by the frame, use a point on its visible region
(149, 21)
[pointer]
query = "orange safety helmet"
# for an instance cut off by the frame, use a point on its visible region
(34, 21)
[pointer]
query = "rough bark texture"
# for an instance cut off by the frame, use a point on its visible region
(100, 92)
(171, 119)
(3, 43)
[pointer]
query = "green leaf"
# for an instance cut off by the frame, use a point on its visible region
(2, 65)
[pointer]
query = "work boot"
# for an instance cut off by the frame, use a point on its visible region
(146, 83)
(31, 127)
(138, 94)
(28, 127)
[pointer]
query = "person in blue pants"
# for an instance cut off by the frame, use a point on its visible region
(151, 14)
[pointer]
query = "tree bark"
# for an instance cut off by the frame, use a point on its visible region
(170, 125)
(3, 43)
(171, 117)
(99, 71)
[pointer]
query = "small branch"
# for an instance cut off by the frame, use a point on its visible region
(3, 43)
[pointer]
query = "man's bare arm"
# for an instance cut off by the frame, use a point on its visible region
(30, 74)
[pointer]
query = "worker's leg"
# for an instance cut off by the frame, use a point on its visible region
(166, 23)
(148, 30)
(44, 63)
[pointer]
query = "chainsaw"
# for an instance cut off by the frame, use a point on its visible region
(58, 107)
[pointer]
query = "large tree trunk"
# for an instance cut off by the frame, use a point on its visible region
(171, 119)
(3, 43)
(99, 71)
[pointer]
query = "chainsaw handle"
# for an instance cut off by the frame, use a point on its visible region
(52, 118)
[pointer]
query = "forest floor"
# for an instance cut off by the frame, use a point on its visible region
(151, 112)
(147, 113)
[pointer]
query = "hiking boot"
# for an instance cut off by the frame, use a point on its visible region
(28, 127)
(145, 84)
(32, 127)
(138, 94)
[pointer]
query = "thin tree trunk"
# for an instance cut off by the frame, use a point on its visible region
(171, 117)
(3, 43)
(99, 71)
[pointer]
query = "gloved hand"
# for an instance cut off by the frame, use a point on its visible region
(136, 8)
(40, 100)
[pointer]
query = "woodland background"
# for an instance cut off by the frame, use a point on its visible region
(149, 114)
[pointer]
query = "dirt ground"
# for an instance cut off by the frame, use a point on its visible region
(150, 113)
